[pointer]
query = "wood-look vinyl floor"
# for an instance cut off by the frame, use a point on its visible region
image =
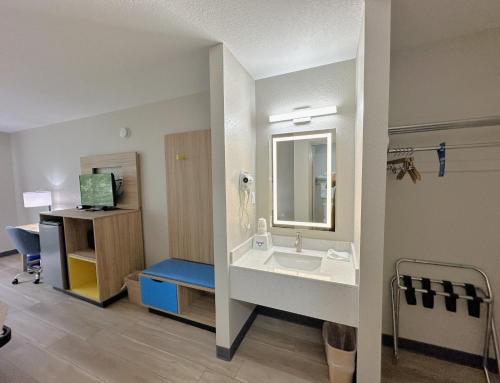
(57, 338)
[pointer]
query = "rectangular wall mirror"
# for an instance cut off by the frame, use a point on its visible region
(304, 181)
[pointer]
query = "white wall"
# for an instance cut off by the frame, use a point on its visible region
(455, 218)
(358, 140)
(8, 216)
(232, 93)
(371, 134)
(453, 79)
(332, 84)
(49, 158)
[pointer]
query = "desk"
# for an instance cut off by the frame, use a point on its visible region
(32, 228)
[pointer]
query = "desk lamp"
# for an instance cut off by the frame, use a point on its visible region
(37, 199)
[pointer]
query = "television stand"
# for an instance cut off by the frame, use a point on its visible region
(95, 269)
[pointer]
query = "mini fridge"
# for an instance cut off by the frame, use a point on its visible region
(53, 255)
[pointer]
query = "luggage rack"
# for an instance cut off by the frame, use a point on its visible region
(475, 296)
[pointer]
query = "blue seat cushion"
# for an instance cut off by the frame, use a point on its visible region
(193, 273)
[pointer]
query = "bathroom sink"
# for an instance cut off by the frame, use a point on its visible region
(294, 261)
(298, 282)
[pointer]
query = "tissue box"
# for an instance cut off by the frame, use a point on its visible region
(262, 241)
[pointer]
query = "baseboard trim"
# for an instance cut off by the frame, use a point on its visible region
(443, 353)
(183, 320)
(103, 304)
(227, 354)
(7, 253)
(290, 317)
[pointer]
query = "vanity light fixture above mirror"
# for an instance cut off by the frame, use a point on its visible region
(302, 115)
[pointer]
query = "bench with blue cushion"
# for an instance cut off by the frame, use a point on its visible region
(158, 282)
(192, 273)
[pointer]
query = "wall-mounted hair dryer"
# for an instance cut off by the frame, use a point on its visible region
(246, 179)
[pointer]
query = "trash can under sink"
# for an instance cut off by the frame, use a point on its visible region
(340, 350)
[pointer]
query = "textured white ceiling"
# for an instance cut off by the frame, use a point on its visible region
(419, 22)
(279, 36)
(67, 59)
(55, 68)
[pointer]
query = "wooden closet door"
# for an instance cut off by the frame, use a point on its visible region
(189, 195)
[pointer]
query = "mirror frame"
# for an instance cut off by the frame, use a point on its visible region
(298, 137)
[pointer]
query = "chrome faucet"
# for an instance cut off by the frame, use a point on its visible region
(298, 242)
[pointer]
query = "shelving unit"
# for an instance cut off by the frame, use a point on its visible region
(176, 298)
(83, 278)
(101, 249)
(82, 263)
(76, 234)
(84, 255)
(196, 305)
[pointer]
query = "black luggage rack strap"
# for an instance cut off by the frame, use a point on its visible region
(483, 298)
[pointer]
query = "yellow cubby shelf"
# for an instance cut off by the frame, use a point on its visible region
(83, 277)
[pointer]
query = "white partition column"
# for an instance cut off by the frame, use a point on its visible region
(370, 181)
(232, 109)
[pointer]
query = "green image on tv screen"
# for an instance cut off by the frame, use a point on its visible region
(97, 190)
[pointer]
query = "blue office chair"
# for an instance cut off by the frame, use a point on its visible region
(28, 244)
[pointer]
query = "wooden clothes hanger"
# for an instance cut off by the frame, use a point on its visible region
(402, 166)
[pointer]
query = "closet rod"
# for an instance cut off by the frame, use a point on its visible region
(404, 150)
(445, 125)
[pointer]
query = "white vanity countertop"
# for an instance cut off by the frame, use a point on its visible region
(334, 271)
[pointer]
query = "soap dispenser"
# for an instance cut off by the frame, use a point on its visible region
(262, 240)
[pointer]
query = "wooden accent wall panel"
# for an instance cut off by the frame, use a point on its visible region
(189, 195)
(129, 167)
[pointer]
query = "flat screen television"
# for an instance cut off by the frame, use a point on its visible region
(98, 190)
